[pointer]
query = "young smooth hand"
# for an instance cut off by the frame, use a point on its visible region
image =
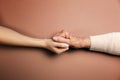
(75, 42)
(56, 46)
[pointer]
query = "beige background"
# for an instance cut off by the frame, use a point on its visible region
(43, 18)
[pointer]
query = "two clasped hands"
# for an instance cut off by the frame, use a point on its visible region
(66, 40)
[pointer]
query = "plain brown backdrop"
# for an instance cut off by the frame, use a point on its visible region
(43, 18)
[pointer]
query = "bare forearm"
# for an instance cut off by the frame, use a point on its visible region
(11, 37)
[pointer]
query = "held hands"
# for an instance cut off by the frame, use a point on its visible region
(75, 42)
(62, 40)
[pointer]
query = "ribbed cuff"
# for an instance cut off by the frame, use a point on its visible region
(109, 43)
(101, 42)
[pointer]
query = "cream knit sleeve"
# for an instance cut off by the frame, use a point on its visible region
(109, 43)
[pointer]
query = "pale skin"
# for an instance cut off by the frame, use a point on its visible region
(11, 37)
(58, 44)
(75, 42)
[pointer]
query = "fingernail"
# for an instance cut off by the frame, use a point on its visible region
(66, 45)
(55, 38)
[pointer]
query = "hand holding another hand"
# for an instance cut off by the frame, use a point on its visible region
(55, 46)
(75, 42)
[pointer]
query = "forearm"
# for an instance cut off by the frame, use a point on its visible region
(109, 43)
(10, 37)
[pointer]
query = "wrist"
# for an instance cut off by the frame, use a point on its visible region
(86, 42)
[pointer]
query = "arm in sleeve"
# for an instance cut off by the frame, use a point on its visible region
(108, 43)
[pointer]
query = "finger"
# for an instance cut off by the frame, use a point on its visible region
(63, 50)
(61, 39)
(58, 33)
(62, 34)
(58, 50)
(61, 45)
(67, 35)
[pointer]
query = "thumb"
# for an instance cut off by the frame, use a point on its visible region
(60, 39)
(62, 45)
